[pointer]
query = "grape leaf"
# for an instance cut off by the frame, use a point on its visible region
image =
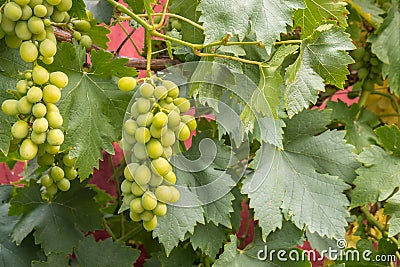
(53, 260)
(92, 107)
(295, 181)
(389, 136)
(104, 64)
(78, 9)
(392, 208)
(317, 12)
(370, 9)
(266, 18)
(322, 58)
(209, 238)
(68, 215)
(111, 253)
(5, 133)
(385, 42)
(99, 34)
(179, 257)
(102, 11)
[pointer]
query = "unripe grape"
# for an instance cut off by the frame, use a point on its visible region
(50, 34)
(28, 51)
(77, 35)
(161, 166)
(155, 180)
(82, 25)
(40, 37)
(10, 107)
(142, 135)
(59, 79)
(142, 175)
(154, 149)
(24, 106)
(64, 5)
(53, 2)
(143, 105)
(55, 119)
(190, 122)
(49, 8)
(55, 137)
(22, 86)
(138, 190)
(64, 184)
(130, 127)
(86, 41)
(70, 173)
(34, 94)
(52, 189)
(48, 48)
(182, 103)
(169, 100)
(47, 60)
(28, 149)
(134, 111)
(40, 11)
(167, 138)
(19, 130)
(129, 171)
(169, 106)
(127, 84)
(26, 12)
(151, 224)
(68, 161)
(40, 75)
(144, 120)
(160, 209)
(57, 173)
(40, 125)
(139, 150)
(155, 132)
(175, 194)
(58, 16)
(362, 73)
(38, 138)
(167, 153)
(146, 90)
(33, 3)
(173, 90)
(22, 31)
(183, 132)
(176, 25)
(51, 107)
(12, 11)
(21, 2)
(126, 187)
(135, 217)
(51, 149)
(149, 200)
(160, 119)
(12, 41)
(136, 205)
(160, 92)
(146, 215)
(174, 118)
(170, 178)
(45, 180)
(51, 94)
(35, 25)
(46, 159)
(130, 140)
(163, 193)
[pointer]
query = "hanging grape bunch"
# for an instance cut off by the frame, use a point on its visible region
(155, 124)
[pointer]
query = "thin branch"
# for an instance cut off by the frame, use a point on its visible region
(128, 37)
(159, 25)
(228, 57)
(172, 15)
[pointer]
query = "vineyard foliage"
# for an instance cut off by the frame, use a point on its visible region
(279, 129)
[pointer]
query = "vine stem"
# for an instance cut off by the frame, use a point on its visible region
(108, 229)
(172, 15)
(159, 25)
(289, 42)
(198, 53)
(149, 53)
(129, 234)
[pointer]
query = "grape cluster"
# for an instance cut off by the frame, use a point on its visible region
(155, 124)
(27, 24)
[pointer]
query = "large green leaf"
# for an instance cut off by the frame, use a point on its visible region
(322, 58)
(92, 106)
(209, 238)
(385, 43)
(58, 224)
(370, 9)
(266, 18)
(318, 12)
(392, 208)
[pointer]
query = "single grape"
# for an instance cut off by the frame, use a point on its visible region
(35, 25)
(52, 189)
(58, 16)
(22, 31)
(38, 138)
(59, 79)
(167, 138)
(154, 149)
(173, 90)
(174, 119)
(129, 140)
(47, 60)
(46, 159)
(175, 194)
(28, 149)
(33, 3)
(40, 125)
(24, 106)
(135, 217)
(12, 11)
(176, 25)
(182, 103)
(155, 132)
(155, 180)
(70, 173)
(12, 41)
(151, 224)
(10, 107)
(51, 94)
(55, 119)
(146, 90)
(144, 120)
(160, 92)
(136, 205)
(139, 151)
(40, 11)
(48, 48)
(26, 12)
(86, 41)
(183, 132)
(142, 135)
(126, 187)
(138, 190)
(34, 94)
(45, 180)
(170, 178)
(51, 107)
(39, 110)
(160, 119)
(161, 166)
(160, 209)
(358, 54)
(190, 122)
(362, 73)
(22, 87)
(19, 130)
(147, 215)
(129, 171)
(163, 193)
(51, 149)
(55, 137)
(169, 100)
(69, 161)
(130, 127)
(127, 84)
(82, 25)
(143, 105)
(57, 173)
(149, 200)
(167, 153)
(49, 8)
(169, 106)
(40, 75)
(134, 111)
(142, 175)
(64, 184)
(64, 5)
(77, 35)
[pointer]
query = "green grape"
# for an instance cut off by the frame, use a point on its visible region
(50, 34)
(22, 87)
(374, 61)
(126, 187)
(51, 94)
(64, 184)
(49, 7)
(64, 5)
(155, 180)
(53, 2)
(150, 225)
(22, 2)
(139, 150)
(142, 175)
(40, 125)
(169, 106)
(46, 159)
(154, 149)
(176, 25)
(149, 200)
(182, 103)
(38, 138)
(35, 25)
(40, 11)
(55, 137)
(169, 100)
(70, 173)
(143, 105)
(26, 12)
(170, 178)
(22, 31)
(144, 120)
(160, 92)
(366, 57)
(362, 73)
(126, 84)
(130, 127)
(39, 110)
(34, 94)
(48, 48)
(47, 60)
(130, 170)
(86, 41)
(10, 107)
(24, 106)
(12, 41)
(146, 215)
(40, 75)
(59, 79)
(167, 138)
(20, 129)
(28, 149)
(33, 3)
(183, 132)
(161, 166)
(190, 122)
(173, 90)
(46, 181)
(160, 119)
(51, 107)
(163, 193)
(77, 35)
(167, 153)
(82, 25)
(52, 189)
(68, 161)
(51, 149)
(142, 135)
(155, 132)
(146, 90)
(174, 119)
(40, 37)
(160, 209)
(136, 205)
(57, 173)
(175, 194)
(138, 190)
(58, 16)
(12, 11)
(358, 54)
(134, 111)
(130, 139)
(135, 217)
(55, 119)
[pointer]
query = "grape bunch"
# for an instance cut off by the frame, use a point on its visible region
(156, 121)
(26, 24)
